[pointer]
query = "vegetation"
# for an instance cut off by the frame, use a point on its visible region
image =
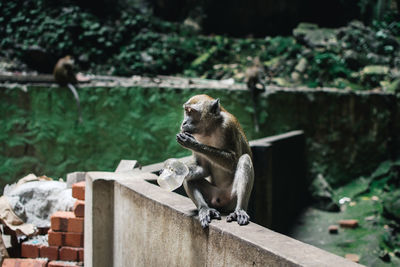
(40, 133)
(126, 41)
(374, 202)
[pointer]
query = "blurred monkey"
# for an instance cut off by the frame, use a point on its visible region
(65, 76)
(253, 78)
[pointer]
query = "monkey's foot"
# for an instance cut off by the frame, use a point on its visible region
(206, 215)
(240, 216)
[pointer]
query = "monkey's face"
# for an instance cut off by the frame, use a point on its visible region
(191, 119)
(200, 117)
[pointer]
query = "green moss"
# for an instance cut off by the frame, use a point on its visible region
(40, 133)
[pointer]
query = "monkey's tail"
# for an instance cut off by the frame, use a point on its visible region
(78, 102)
(254, 94)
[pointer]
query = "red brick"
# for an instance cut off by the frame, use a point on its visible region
(75, 225)
(333, 229)
(55, 238)
(78, 190)
(43, 230)
(50, 252)
(64, 264)
(79, 208)
(10, 262)
(73, 239)
(59, 220)
(29, 250)
(353, 257)
(70, 253)
(348, 223)
(81, 255)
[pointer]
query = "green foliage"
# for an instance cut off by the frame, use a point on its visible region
(326, 66)
(127, 41)
(40, 133)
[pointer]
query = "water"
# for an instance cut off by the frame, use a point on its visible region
(173, 174)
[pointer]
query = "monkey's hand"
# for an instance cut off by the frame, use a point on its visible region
(206, 214)
(240, 216)
(187, 140)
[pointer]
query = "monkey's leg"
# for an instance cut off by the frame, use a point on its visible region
(241, 190)
(194, 189)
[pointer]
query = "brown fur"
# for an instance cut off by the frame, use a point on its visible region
(221, 175)
(64, 71)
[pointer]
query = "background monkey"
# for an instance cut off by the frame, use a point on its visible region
(221, 175)
(253, 78)
(65, 76)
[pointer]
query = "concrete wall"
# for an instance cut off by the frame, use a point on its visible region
(279, 191)
(131, 221)
(148, 226)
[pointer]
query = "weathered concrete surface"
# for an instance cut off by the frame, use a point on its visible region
(99, 217)
(150, 226)
(129, 221)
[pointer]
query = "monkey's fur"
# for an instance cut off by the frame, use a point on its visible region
(64, 75)
(221, 174)
(254, 83)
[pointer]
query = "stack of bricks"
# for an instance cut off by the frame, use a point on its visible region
(65, 238)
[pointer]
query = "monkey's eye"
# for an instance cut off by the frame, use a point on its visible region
(188, 110)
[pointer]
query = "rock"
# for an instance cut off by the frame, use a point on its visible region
(34, 202)
(348, 223)
(281, 82)
(302, 65)
(295, 76)
(384, 255)
(391, 205)
(312, 36)
(375, 70)
(353, 257)
(321, 193)
(373, 74)
(393, 86)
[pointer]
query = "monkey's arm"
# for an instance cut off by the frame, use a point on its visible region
(223, 158)
(196, 172)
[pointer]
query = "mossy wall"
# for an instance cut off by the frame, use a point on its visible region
(39, 132)
(347, 134)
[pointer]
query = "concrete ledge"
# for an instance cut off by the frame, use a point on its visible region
(154, 227)
(132, 222)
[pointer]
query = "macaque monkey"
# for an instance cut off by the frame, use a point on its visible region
(221, 174)
(64, 75)
(253, 77)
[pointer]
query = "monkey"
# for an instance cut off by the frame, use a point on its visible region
(65, 76)
(253, 78)
(221, 173)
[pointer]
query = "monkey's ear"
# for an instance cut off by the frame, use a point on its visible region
(215, 106)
